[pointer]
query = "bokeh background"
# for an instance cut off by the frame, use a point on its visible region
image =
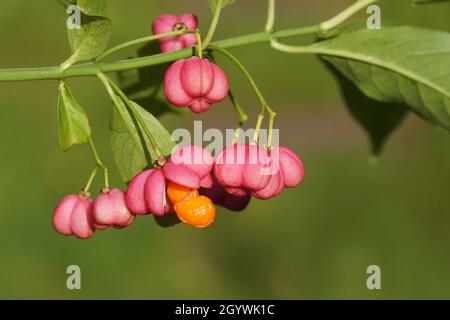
(312, 242)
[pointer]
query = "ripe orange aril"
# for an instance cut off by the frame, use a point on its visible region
(198, 212)
(195, 210)
(177, 193)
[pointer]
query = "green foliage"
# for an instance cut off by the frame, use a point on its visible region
(91, 39)
(92, 7)
(399, 66)
(88, 7)
(379, 119)
(73, 123)
(213, 3)
(131, 149)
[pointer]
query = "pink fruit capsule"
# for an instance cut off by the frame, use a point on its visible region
(134, 196)
(220, 196)
(110, 210)
(73, 216)
(206, 182)
(290, 165)
(195, 158)
(273, 188)
(190, 166)
(155, 194)
(239, 192)
(230, 164)
(181, 175)
(254, 175)
(146, 194)
(167, 23)
(243, 169)
(195, 83)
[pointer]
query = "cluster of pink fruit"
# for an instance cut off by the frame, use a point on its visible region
(249, 169)
(188, 185)
(190, 182)
(80, 216)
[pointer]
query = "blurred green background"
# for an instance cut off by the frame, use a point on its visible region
(312, 242)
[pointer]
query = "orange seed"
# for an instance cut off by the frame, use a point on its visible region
(197, 211)
(178, 193)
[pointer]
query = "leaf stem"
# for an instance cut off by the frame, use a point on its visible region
(344, 15)
(258, 128)
(68, 63)
(142, 40)
(293, 49)
(99, 163)
(90, 180)
(270, 24)
(199, 45)
(270, 134)
(213, 26)
(241, 114)
(238, 108)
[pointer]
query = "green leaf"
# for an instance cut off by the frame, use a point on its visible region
(88, 7)
(92, 7)
(145, 85)
(379, 119)
(73, 123)
(91, 39)
(400, 65)
(213, 3)
(127, 141)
